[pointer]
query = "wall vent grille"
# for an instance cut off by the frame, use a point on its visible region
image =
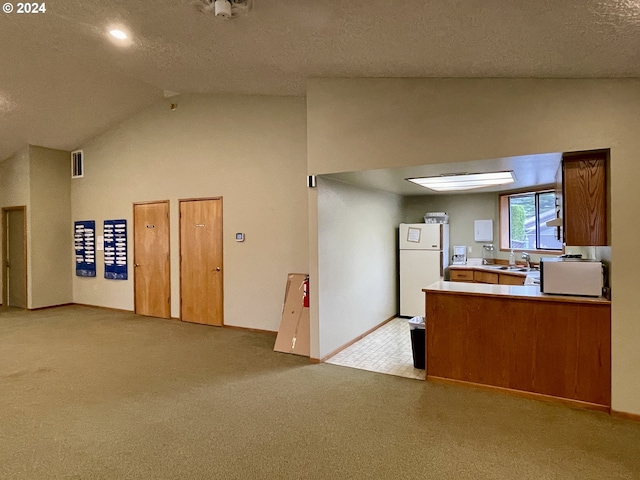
(77, 164)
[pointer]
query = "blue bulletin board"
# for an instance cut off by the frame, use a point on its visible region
(84, 239)
(115, 249)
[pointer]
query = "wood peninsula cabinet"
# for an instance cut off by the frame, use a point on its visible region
(582, 198)
(515, 338)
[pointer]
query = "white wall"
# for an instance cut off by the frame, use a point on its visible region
(361, 124)
(14, 192)
(250, 150)
(51, 232)
(357, 256)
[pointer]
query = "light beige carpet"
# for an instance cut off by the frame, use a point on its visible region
(91, 394)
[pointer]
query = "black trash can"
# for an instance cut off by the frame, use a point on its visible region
(418, 341)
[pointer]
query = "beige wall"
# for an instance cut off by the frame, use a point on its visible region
(39, 179)
(357, 256)
(14, 180)
(360, 124)
(250, 150)
(14, 190)
(382, 123)
(462, 209)
(51, 232)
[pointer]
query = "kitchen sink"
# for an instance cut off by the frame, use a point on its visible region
(510, 268)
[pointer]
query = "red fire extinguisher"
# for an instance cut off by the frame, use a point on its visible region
(305, 292)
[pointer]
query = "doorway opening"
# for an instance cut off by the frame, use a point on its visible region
(14, 257)
(385, 350)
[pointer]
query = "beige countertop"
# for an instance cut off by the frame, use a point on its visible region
(531, 292)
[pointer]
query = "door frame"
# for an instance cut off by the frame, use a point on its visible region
(5, 275)
(180, 201)
(133, 217)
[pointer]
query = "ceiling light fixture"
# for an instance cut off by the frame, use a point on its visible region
(222, 8)
(119, 34)
(464, 181)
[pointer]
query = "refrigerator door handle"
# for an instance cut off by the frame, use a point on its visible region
(441, 264)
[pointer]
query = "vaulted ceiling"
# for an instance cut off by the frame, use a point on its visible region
(62, 81)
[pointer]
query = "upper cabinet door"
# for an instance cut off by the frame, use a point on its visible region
(585, 198)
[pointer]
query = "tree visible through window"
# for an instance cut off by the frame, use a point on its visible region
(528, 215)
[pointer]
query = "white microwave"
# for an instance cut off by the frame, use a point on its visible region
(571, 276)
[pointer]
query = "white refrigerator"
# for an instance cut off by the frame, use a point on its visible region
(424, 254)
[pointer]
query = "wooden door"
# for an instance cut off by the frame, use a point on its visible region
(152, 275)
(201, 272)
(14, 256)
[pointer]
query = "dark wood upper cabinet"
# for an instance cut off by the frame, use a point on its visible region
(584, 198)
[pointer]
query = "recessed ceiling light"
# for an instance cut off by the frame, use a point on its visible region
(119, 34)
(464, 181)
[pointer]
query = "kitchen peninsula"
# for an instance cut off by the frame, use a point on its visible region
(514, 337)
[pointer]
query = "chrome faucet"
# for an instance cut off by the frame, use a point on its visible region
(527, 258)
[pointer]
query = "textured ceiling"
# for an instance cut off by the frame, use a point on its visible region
(62, 81)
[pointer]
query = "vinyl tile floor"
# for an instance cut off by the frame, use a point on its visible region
(385, 350)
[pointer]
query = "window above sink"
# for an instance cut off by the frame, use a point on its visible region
(523, 218)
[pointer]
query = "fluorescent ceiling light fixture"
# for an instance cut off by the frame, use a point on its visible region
(119, 34)
(464, 181)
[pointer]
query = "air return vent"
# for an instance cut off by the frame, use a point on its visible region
(77, 164)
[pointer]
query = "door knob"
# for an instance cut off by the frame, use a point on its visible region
(217, 269)
(136, 264)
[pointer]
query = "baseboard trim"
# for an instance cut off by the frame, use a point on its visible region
(520, 393)
(627, 416)
(359, 337)
(253, 330)
(246, 329)
(50, 306)
(103, 308)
